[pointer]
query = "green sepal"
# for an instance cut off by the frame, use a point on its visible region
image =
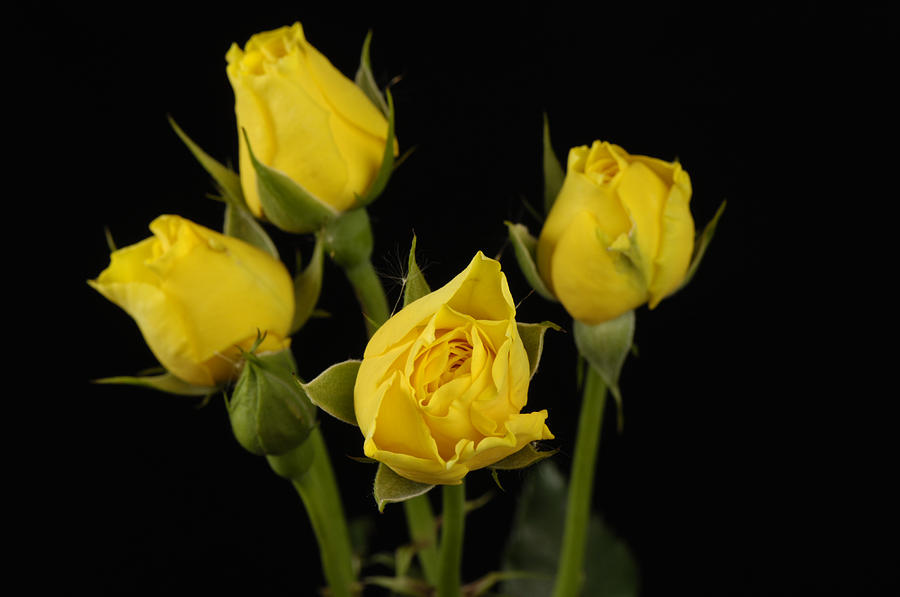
(365, 80)
(332, 390)
(286, 203)
(348, 238)
(701, 244)
(307, 286)
(165, 382)
(110, 243)
(391, 488)
(269, 411)
(532, 335)
(525, 457)
(535, 542)
(239, 222)
(525, 247)
(605, 347)
(554, 175)
(401, 585)
(485, 583)
(415, 287)
(387, 161)
(226, 179)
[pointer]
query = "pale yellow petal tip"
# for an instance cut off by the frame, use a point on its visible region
(234, 54)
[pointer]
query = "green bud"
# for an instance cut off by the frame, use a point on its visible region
(270, 413)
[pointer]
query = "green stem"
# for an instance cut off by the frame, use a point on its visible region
(309, 469)
(369, 293)
(452, 529)
(349, 241)
(423, 532)
(581, 484)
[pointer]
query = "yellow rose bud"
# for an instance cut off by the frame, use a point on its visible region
(442, 384)
(197, 295)
(304, 118)
(619, 235)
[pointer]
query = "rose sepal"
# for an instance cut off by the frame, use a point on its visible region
(239, 222)
(285, 203)
(525, 457)
(365, 79)
(308, 286)
(415, 286)
(270, 413)
(390, 488)
(332, 390)
(701, 244)
(554, 175)
(164, 382)
(387, 162)
(605, 347)
(532, 335)
(525, 248)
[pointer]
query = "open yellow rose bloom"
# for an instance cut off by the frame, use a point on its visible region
(619, 235)
(196, 295)
(304, 118)
(442, 384)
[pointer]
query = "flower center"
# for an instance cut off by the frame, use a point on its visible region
(441, 363)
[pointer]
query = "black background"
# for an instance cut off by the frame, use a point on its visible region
(747, 462)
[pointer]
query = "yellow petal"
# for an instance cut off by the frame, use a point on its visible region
(399, 427)
(589, 281)
(643, 195)
(676, 246)
(420, 311)
(196, 294)
(346, 99)
(578, 193)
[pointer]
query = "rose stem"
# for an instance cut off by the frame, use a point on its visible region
(419, 517)
(369, 294)
(452, 528)
(423, 532)
(581, 484)
(318, 490)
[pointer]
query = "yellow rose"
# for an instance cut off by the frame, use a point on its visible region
(196, 295)
(619, 234)
(442, 383)
(304, 118)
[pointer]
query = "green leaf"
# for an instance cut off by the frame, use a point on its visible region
(525, 457)
(532, 335)
(228, 180)
(416, 287)
(287, 204)
(605, 346)
(387, 160)
(165, 382)
(308, 286)
(391, 488)
(535, 543)
(525, 247)
(701, 245)
(365, 80)
(332, 390)
(554, 175)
